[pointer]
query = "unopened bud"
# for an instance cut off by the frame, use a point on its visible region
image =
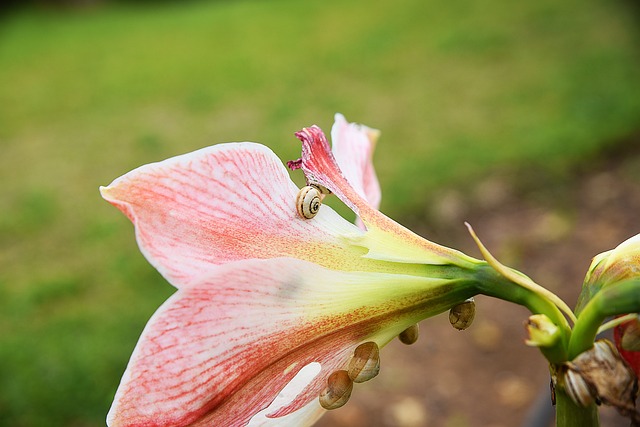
(461, 316)
(365, 363)
(542, 331)
(338, 390)
(409, 335)
(630, 340)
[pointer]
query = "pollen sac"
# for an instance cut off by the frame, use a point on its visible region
(338, 391)
(365, 363)
(308, 202)
(461, 315)
(409, 335)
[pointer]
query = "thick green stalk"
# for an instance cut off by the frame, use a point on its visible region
(615, 299)
(493, 284)
(568, 414)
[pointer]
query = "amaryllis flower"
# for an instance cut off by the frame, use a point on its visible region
(270, 306)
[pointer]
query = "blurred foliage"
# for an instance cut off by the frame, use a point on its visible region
(458, 89)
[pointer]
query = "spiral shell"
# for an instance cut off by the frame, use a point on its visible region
(365, 363)
(409, 335)
(308, 202)
(338, 391)
(461, 315)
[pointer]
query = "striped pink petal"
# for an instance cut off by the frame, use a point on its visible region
(220, 351)
(221, 204)
(321, 167)
(352, 146)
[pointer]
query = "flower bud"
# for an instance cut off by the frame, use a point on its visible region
(630, 335)
(542, 331)
(607, 268)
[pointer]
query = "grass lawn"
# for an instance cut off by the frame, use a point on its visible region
(457, 88)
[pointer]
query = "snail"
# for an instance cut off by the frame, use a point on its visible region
(308, 201)
(409, 335)
(338, 391)
(365, 363)
(461, 315)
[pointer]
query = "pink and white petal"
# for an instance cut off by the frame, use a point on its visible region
(385, 239)
(353, 146)
(220, 351)
(305, 416)
(220, 204)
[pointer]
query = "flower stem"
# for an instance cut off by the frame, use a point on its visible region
(568, 414)
(621, 298)
(519, 278)
(493, 283)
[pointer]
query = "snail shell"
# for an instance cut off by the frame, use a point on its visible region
(308, 202)
(461, 315)
(365, 363)
(338, 391)
(409, 335)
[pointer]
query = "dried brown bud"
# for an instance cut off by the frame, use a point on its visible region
(600, 375)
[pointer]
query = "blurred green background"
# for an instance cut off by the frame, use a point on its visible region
(90, 91)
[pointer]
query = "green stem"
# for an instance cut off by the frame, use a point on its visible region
(615, 299)
(568, 414)
(494, 284)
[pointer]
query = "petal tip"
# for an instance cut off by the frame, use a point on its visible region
(104, 191)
